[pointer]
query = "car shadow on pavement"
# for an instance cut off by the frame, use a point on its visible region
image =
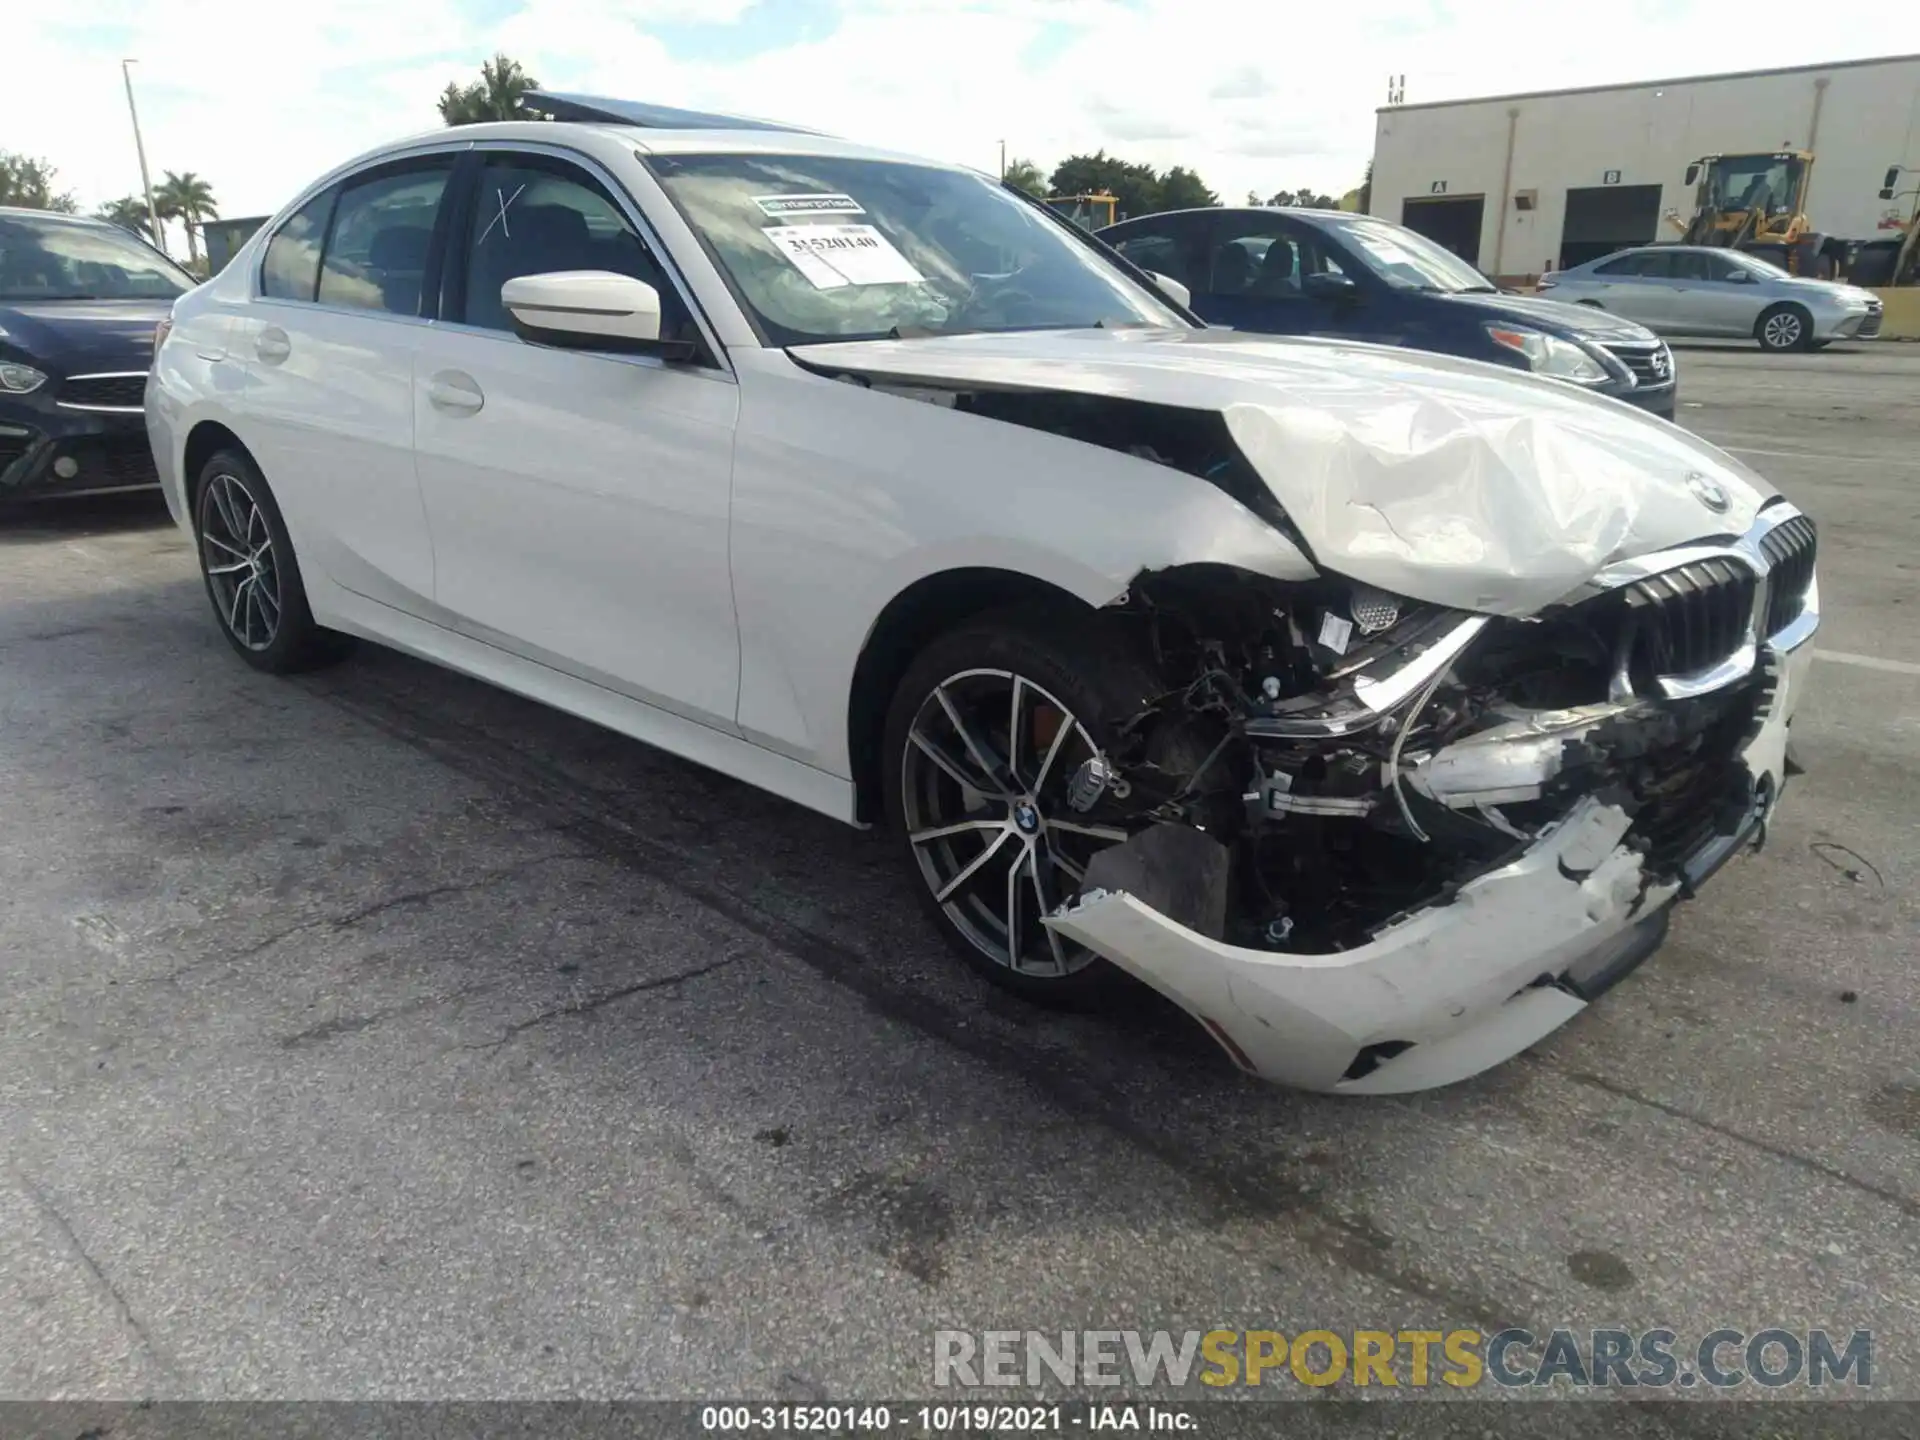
(29, 521)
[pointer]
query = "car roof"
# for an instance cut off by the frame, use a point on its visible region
(27, 212)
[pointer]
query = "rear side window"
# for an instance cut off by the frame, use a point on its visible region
(380, 238)
(1625, 265)
(292, 267)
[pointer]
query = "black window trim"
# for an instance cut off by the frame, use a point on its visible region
(331, 194)
(713, 355)
(342, 180)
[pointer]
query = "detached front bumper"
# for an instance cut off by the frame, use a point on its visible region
(1459, 986)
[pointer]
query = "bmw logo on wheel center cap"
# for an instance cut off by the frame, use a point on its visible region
(1026, 815)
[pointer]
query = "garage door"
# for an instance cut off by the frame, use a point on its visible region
(1604, 218)
(1453, 222)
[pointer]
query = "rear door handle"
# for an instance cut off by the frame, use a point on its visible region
(455, 392)
(272, 345)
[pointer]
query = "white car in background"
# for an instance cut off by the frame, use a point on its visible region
(1699, 290)
(1374, 706)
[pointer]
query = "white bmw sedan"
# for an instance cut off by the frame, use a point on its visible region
(1374, 706)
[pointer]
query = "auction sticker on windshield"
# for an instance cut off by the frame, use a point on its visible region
(834, 255)
(779, 205)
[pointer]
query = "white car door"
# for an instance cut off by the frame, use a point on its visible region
(578, 500)
(329, 347)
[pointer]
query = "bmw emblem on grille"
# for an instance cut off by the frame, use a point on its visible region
(1710, 493)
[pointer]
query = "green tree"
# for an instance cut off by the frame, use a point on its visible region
(189, 199)
(129, 212)
(1303, 199)
(28, 183)
(1366, 189)
(1025, 175)
(498, 94)
(1136, 187)
(1181, 189)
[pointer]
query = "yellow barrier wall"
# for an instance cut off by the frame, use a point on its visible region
(1902, 320)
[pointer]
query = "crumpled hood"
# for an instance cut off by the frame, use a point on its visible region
(1446, 480)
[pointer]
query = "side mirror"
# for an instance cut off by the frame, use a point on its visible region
(590, 310)
(1889, 181)
(1693, 174)
(1326, 285)
(1172, 289)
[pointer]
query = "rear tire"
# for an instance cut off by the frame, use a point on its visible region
(251, 573)
(1784, 328)
(984, 830)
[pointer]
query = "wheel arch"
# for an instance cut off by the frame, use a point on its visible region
(919, 614)
(206, 439)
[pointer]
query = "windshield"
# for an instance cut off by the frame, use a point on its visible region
(1408, 260)
(56, 259)
(1753, 182)
(832, 248)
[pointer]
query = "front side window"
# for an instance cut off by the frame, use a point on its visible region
(1408, 260)
(380, 237)
(49, 257)
(532, 216)
(823, 248)
(1264, 259)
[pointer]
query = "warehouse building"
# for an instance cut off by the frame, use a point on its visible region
(1521, 184)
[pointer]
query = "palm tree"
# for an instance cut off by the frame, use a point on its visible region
(129, 212)
(496, 95)
(1025, 175)
(189, 199)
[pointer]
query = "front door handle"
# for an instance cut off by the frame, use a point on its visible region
(273, 346)
(455, 392)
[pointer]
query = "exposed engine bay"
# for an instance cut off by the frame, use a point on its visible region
(1328, 757)
(1355, 756)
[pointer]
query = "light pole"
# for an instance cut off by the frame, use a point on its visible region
(140, 148)
(1003, 159)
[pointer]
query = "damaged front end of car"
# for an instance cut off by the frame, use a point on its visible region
(1380, 845)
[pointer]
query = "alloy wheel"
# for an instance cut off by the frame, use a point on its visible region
(984, 780)
(1783, 330)
(236, 550)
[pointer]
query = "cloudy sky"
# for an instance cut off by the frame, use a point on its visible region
(258, 96)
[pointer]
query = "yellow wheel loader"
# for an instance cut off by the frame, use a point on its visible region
(1758, 203)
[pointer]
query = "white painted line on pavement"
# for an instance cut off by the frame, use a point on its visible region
(1868, 662)
(1816, 455)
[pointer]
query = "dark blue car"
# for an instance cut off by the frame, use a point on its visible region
(1354, 277)
(79, 300)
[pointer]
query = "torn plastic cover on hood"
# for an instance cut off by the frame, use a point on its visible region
(1445, 480)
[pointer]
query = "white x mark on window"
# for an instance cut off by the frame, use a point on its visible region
(504, 201)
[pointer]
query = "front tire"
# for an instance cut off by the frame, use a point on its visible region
(251, 573)
(1784, 328)
(987, 729)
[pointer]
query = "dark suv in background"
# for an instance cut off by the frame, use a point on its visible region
(1353, 277)
(79, 300)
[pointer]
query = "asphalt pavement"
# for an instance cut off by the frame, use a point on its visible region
(380, 1035)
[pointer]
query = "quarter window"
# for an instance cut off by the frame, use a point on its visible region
(532, 216)
(1625, 265)
(380, 238)
(292, 267)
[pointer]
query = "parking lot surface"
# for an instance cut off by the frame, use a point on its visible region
(378, 1034)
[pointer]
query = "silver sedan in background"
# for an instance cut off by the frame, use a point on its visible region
(1698, 290)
